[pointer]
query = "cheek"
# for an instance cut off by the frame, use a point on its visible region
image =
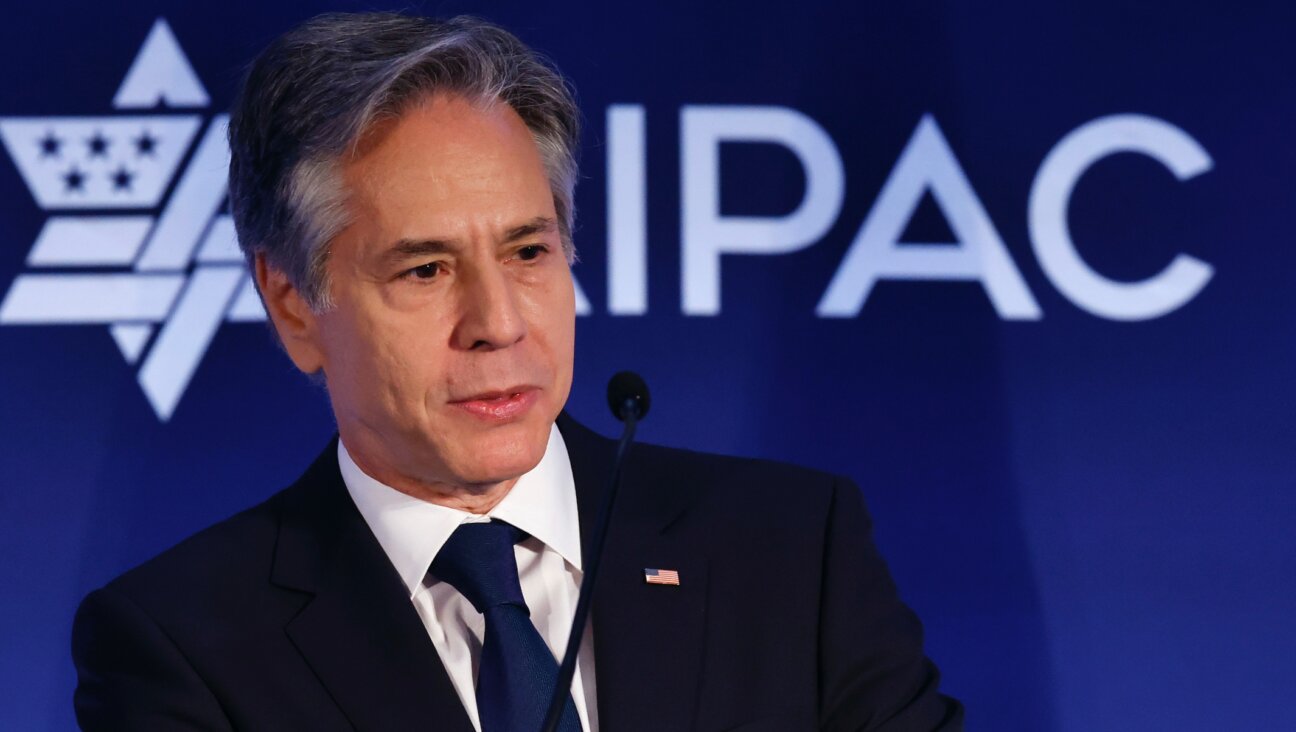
(407, 363)
(555, 317)
(551, 309)
(373, 363)
(565, 313)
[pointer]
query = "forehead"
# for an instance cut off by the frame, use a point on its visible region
(445, 160)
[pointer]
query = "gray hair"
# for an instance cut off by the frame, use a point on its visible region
(311, 95)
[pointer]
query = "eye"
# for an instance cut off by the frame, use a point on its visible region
(531, 252)
(425, 271)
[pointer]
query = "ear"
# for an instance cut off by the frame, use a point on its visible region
(294, 321)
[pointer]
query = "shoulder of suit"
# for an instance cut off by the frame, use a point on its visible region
(647, 456)
(738, 485)
(218, 559)
(232, 553)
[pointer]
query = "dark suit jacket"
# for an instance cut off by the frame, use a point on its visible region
(289, 616)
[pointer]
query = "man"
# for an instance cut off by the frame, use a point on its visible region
(403, 190)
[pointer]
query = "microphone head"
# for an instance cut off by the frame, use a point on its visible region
(628, 395)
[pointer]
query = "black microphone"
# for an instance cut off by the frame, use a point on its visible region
(628, 397)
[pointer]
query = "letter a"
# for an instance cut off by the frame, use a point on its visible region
(979, 255)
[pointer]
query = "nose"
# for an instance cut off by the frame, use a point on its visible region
(489, 318)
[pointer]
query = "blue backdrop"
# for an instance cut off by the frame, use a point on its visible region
(1023, 270)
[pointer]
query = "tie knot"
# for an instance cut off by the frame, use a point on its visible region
(478, 560)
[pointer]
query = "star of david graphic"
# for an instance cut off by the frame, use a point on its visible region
(161, 274)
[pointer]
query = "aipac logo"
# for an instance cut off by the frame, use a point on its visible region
(162, 275)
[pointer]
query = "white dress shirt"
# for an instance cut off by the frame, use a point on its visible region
(543, 504)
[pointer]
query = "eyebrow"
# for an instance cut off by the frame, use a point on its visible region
(411, 248)
(417, 247)
(538, 225)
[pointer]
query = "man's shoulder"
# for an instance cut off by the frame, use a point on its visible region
(717, 469)
(658, 479)
(214, 561)
(233, 557)
(739, 487)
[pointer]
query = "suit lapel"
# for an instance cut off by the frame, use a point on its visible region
(648, 639)
(360, 633)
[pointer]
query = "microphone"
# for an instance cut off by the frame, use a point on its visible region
(628, 398)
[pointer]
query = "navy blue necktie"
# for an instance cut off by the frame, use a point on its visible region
(517, 673)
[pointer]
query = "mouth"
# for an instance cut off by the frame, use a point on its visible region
(500, 405)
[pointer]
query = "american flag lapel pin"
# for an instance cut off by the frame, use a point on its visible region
(661, 576)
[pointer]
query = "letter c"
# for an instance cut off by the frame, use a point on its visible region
(1050, 198)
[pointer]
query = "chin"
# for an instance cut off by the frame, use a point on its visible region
(503, 453)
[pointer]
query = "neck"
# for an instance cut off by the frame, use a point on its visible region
(477, 498)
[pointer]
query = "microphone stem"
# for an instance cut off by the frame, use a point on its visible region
(568, 668)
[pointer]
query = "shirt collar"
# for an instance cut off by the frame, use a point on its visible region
(411, 531)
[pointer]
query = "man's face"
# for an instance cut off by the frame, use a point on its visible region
(448, 349)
